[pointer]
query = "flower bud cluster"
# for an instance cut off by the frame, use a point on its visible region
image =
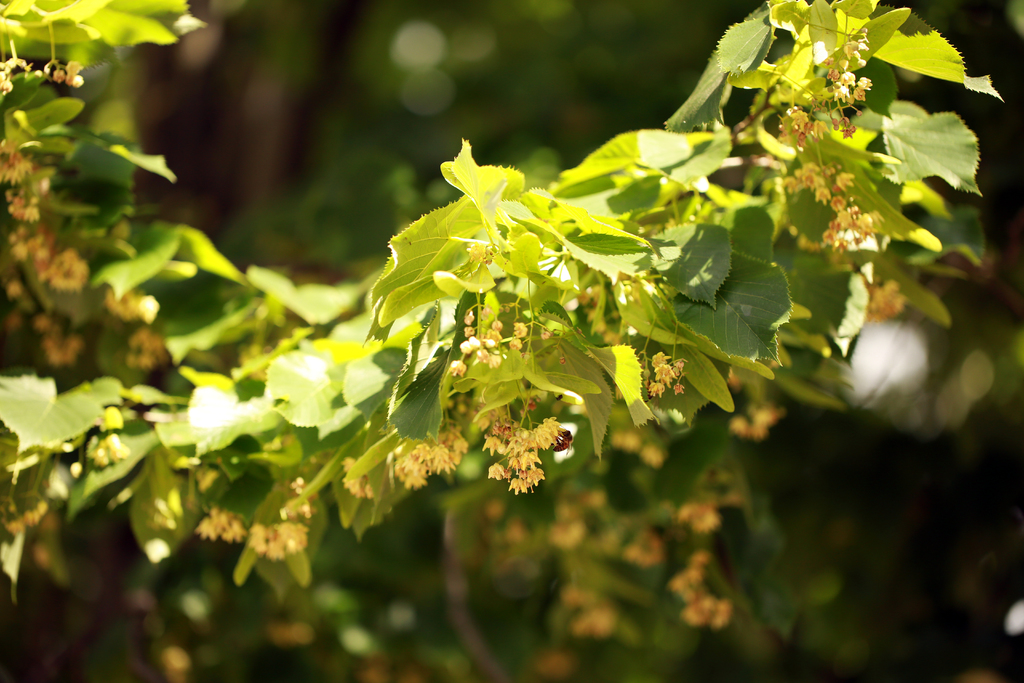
(851, 227)
(755, 428)
(221, 524)
(360, 488)
(666, 372)
(29, 518)
(432, 457)
(276, 541)
(519, 447)
(702, 608)
(647, 550)
(133, 306)
(703, 518)
(885, 302)
(110, 450)
(61, 350)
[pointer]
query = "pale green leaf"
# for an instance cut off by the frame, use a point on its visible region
(218, 417)
(606, 245)
(314, 303)
(936, 145)
(614, 155)
(882, 28)
(17, 7)
(31, 408)
(478, 282)
(54, 112)
(703, 262)
(75, 11)
(684, 158)
(154, 163)
(10, 560)
(306, 385)
(702, 374)
(982, 84)
(704, 105)
(207, 333)
(484, 185)
(860, 9)
(155, 247)
(422, 248)
(622, 366)
(121, 28)
(918, 47)
(745, 45)
(369, 381)
(374, 455)
(791, 15)
(752, 304)
(824, 30)
(196, 247)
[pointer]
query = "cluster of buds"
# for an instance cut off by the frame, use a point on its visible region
(22, 206)
(434, 457)
(479, 252)
(703, 518)
(798, 127)
(133, 306)
(519, 447)
(65, 271)
(19, 521)
(597, 617)
(486, 347)
(69, 74)
(221, 524)
(762, 418)
(702, 608)
(647, 550)
(666, 372)
(109, 450)
(61, 350)
(361, 487)
(276, 541)
(851, 227)
(885, 302)
(146, 350)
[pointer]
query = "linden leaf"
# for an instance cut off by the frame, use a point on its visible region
(936, 145)
(745, 45)
(824, 30)
(704, 105)
(621, 364)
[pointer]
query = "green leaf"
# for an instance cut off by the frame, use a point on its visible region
(702, 374)
(607, 245)
(418, 251)
(982, 84)
(835, 296)
(622, 366)
(140, 440)
(704, 105)
(369, 381)
(478, 282)
(614, 155)
(160, 518)
(790, 16)
(54, 112)
(860, 9)
(918, 47)
(685, 404)
(752, 304)
(196, 247)
(484, 185)
(374, 455)
(598, 405)
(935, 145)
(245, 494)
(31, 408)
(883, 27)
(703, 262)
(218, 417)
(418, 413)
(10, 560)
(75, 11)
(18, 7)
(155, 246)
(307, 385)
(205, 334)
(752, 231)
(154, 163)
(314, 303)
(824, 30)
(122, 28)
(745, 45)
(883, 86)
(684, 158)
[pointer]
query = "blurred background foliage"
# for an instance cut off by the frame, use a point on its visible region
(305, 134)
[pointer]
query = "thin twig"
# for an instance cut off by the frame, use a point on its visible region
(457, 590)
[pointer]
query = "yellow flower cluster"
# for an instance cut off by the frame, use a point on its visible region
(798, 126)
(885, 303)
(520, 447)
(27, 519)
(646, 551)
(360, 488)
(132, 306)
(666, 372)
(146, 350)
(702, 608)
(222, 524)
(14, 166)
(70, 75)
(109, 450)
(427, 458)
(703, 518)
(597, 618)
(851, 226)
(762, 418)
(61, 350)
(276, 541)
